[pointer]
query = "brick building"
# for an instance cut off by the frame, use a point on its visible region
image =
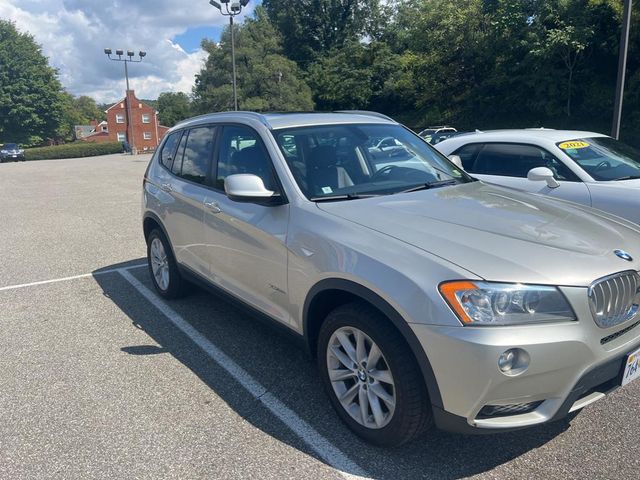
(143, 132)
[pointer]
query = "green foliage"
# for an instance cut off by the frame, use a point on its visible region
(267, 80)
(314, 27)
(73, 150)
(173, 107)
(31, 99)
(77, 111)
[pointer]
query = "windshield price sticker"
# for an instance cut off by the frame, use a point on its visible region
(573, 145)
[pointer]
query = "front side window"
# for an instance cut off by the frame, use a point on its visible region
(146, 118)
(363, 159)
(604, 158)
(197, 155)
(511, 160)
(169, 149)
(119, 118)
(241, 151)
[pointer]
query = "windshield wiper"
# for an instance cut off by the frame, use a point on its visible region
(427, 186)
(628, 177)
(347, 196)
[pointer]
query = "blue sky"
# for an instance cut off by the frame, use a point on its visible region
(190, 40)
(73, 34)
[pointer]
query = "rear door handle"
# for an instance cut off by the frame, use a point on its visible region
(213, 207)
(166, 187)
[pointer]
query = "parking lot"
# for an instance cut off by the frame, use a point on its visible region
(101, 378)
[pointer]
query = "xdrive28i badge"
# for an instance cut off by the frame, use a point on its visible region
(623, 255)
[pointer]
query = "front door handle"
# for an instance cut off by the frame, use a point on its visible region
(213, 207)
(166, 187)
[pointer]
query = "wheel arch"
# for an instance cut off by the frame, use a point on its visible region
(150, 221)
(330, 293)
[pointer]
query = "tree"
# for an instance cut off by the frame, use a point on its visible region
(31, 98)
(76, 111)
(173, 107)
(353, 77)
(311, 28)
(267, 80)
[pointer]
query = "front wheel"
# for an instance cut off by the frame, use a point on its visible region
(371, 376)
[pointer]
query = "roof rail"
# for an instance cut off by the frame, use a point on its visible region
(256, 115)
(366, 112)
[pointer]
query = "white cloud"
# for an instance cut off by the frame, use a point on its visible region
(73, 34)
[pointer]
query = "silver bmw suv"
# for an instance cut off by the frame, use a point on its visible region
(427, 297)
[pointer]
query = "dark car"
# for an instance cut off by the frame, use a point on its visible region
(11, 152)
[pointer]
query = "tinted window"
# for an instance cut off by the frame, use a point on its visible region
(468, 155)
(241, 151)
(177, 163)
(169, 149)
(513, 160)
(197, 154)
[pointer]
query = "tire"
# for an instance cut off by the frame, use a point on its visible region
(163, 268)
(394, 382)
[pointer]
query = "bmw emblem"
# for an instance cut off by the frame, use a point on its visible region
(623, 255)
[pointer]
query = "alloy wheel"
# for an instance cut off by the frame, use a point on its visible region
(361, 378)
(159, 264)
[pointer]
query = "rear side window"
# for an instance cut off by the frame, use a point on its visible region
(177, 163)
(169, 149)
(197, 154)
(511, 160)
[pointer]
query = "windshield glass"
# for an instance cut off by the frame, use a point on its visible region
(604, 158)
(334, 161)
(10, 146)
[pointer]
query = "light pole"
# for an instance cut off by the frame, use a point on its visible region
(130, 54)
(231, 9)
(622, 68)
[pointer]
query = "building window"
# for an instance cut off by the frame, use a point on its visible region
(104, 128)
(146, 118)
(147, 135)
(119, 118)
(122, 136)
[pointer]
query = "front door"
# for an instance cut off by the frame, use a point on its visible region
(246, 242)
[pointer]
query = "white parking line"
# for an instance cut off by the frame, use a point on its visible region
(325, 449)
(74, 277)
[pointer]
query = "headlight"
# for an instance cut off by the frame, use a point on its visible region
(4, 151)
(485, 303)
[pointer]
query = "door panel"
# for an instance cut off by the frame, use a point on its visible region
(187, 187)
(246, 242)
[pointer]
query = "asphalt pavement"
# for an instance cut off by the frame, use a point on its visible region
(100, 378)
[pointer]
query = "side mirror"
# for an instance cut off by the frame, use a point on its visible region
(457, 161)
(249, 188)
(543, 174)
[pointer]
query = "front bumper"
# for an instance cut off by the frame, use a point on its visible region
(572, 365)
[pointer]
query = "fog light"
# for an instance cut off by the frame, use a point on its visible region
(513, 362)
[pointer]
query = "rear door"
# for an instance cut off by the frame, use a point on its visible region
(246, 242)
(187, 187)
(509, 163)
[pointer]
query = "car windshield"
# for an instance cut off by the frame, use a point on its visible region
(10, 146)
(335, 162)
(604, 158)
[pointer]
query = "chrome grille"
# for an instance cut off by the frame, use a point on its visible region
(615, 299)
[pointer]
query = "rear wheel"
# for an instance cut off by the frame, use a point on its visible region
(163, 268)
(371, 376)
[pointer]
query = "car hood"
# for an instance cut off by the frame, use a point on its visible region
(502, 234)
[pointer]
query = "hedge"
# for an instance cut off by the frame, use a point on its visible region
(73, 150)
